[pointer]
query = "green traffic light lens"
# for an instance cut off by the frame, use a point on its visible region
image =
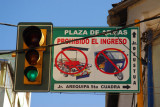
(31, 73)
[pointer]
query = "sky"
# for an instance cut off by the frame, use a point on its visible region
(62, 13)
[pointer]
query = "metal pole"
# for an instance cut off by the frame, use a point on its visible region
(150, 73)
(140, 95)
(112, 99)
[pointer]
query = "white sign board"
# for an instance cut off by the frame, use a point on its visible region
(107, 63)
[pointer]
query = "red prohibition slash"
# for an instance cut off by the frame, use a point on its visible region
(70, 64)
(113, 64)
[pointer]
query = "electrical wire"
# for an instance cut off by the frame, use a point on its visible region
(103, 33)
(153, 39)
(8, 24)
(137, 57)
(149, 42)
(133, 100)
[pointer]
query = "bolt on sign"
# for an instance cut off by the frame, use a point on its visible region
(106, 63)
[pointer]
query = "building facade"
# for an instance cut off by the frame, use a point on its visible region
(130, 11)
(9, 98)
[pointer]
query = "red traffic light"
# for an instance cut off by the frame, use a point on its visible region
(32, 36)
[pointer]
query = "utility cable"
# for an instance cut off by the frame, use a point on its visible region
(8, 24)
(103, 33)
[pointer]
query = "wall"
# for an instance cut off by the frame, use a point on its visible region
(2, 91)
(142, 10)
(8, 98)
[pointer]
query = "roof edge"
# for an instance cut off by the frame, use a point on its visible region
(121, 6)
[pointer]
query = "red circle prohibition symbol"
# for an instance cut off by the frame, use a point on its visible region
(114, 49)
(79, 68)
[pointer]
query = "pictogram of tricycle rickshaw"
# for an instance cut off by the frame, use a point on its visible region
(72, 66)
(111, 62)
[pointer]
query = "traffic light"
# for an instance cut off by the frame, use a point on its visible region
(33, 62)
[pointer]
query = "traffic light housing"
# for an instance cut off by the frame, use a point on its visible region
(33, 62)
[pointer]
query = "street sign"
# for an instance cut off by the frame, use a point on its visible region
(107, 63)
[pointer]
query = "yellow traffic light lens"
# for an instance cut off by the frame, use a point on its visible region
(31, 73)
(32, 56)
(32, 36)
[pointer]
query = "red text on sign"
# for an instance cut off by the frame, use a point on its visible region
(113, 41)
